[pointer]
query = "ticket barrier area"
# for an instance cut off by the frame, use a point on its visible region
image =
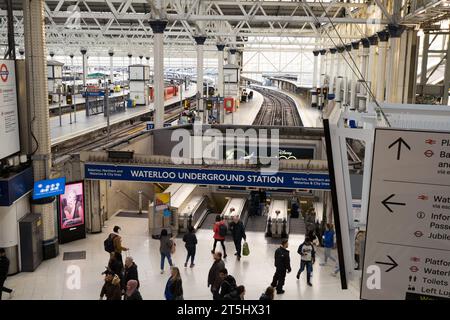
(277, 219)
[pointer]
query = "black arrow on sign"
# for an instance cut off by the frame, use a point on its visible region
(386, 201)
(392, 263)
(399, 141)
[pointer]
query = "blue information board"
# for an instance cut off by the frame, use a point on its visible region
(48, 188)
(289, 180)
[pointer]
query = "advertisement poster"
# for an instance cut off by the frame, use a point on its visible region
(72, 206)
(162, 201)
(9, 120)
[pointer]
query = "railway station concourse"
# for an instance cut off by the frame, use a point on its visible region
(224, 150)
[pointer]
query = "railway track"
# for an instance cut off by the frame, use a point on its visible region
(277, 110)
(100, 139)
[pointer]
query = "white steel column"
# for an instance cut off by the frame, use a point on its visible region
(36, 69)
(332, 68)
(111, 67)
(402, 80)
(354, 77)
(200, 41)
(83, 57)
(316, 77)
(347, 76)
(322, 76)
(364, 69)
(130, 59)
(158, 27)
(372, 74)
(220, 58)
(381, 76)
(395, 31)
(338, 77)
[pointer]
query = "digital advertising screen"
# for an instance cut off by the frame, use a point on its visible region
(71, 205)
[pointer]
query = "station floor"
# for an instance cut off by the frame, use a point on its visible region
(49, 281)
(84, 124)
(247, 111)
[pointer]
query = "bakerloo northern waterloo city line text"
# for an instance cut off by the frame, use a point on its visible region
(256, 146)
(217, 177)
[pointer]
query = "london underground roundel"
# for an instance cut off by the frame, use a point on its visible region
(4, 73)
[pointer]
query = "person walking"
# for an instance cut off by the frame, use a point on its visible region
(117, 241)
(228, 283)
(130, 272)
(165, 248)
(111, 287)
(190, 240)
(174, 286)
(308, 255)
(282, 265)
(4, 269)
(214, 280)
(238, 231)
(115, 266)
(220, 231)
(328, 243)
(268, 295)
(132, 292)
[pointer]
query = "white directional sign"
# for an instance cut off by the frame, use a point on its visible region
(408, 226)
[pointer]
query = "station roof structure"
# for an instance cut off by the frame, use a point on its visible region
(123, 24)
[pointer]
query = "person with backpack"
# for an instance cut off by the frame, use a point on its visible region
(115, 266)
(190, 241)
(220, 231)
(282, 265)
(238, 231)
(165, 248)
(328, 243)
(268, 295)
(114, 243)
(228, 283)
(214, 279)
(236, 295)
(174, 286)
(308, 256)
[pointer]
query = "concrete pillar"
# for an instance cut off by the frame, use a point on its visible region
(392, 72)
(200, 41)
(36, 69)
(354, 79)
(158, 27)
(83, 57)
(220, 58)
(316, 77)
(372, 74)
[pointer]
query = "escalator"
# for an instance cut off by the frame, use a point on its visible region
(208, 221)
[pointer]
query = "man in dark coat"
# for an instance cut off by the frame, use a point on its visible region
(131, 272)
(214, 279)
(228, 284)
(4, 268)
(282, 265)
(238, 231)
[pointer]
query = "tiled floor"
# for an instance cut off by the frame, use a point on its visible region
(87, 124)
(52, 279)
